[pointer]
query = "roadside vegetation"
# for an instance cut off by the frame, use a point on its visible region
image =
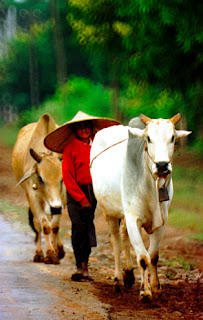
(187, 205)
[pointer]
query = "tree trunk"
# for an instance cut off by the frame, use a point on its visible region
(183, 126)
(115, 100)
(61, 65)
(34, 74)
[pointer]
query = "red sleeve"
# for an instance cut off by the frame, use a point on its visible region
(69, 176)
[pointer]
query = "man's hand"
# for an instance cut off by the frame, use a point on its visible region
(87, 205)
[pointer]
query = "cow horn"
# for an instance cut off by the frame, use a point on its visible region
(35, 155)
(27, 175)
(175, 119)
(145, 119)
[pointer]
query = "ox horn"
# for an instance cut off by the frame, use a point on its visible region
(27, 175)
(145, 119)
(175, 119)
(35, 155)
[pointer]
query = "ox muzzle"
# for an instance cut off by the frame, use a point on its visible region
(163, 168)
(56, 210)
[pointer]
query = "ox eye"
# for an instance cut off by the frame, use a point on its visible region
(40, 180)
(148, 139)
(172, 139)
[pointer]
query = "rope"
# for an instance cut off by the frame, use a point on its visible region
(107, 149)
(95, 158)
(52, 157)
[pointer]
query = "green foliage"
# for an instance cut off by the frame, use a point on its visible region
(187, 204)
(32, 55)
(197, 236)
(150, 100)
(178, 262)
(150, 51)
(15, 213)
(158, 43)
(14, 67)
(8, 134)
(100, 30)
(82, 94)
(13, 91)
(76, 94)
(198, 146)
(157, 39)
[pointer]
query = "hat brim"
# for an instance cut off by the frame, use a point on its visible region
(58, 139)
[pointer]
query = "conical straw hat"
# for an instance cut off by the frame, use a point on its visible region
(59, 138)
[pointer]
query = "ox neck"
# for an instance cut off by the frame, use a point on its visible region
(161, 183)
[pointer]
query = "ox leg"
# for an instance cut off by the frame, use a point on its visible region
(153, 250)
(116, 243)
(50, 254)
(56, 239)
(128, 274)
(36, 226)
(143, 258)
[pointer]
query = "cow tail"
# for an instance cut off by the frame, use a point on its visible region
(31, 222)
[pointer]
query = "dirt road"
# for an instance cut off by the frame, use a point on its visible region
(37, 291)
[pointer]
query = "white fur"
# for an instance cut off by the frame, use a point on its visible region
(125, 190)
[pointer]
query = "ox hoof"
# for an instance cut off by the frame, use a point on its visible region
(51, 260)
(61, 252)
(38, 258)
(55, 260)
(116, 285)
(128, 278)
(145, 295)
(157, 290)
(48, 260)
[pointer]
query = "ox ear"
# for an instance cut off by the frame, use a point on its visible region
(145, 119)
(137, 132)
(35, 155)
(181, 134)
(27, 175)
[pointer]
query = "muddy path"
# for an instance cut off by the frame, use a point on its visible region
(38, 291)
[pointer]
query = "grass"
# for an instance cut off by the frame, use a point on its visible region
(180, 262)
(187, 204)
(197, 236)
(185, 219)
(8, 134)
(19, 214)
(14, 212)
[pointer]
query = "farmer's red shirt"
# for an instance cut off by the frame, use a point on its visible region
(75, 169)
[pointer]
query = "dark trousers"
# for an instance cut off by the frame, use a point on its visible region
(83, 229)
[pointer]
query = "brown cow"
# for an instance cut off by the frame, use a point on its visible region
(38, 171)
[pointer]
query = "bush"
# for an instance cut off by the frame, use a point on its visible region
(76, 94)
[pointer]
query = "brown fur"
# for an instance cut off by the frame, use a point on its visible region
(39, 173)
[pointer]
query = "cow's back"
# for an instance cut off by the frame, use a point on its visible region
(107, 152)
(30, 136)
(20, 150)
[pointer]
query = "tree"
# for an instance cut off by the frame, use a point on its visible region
(165, 48)
(35, 60)
(58, 38)
(95, 25)
(158, 42)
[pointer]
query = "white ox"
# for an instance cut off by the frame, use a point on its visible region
(131, 169)
(39, 173)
